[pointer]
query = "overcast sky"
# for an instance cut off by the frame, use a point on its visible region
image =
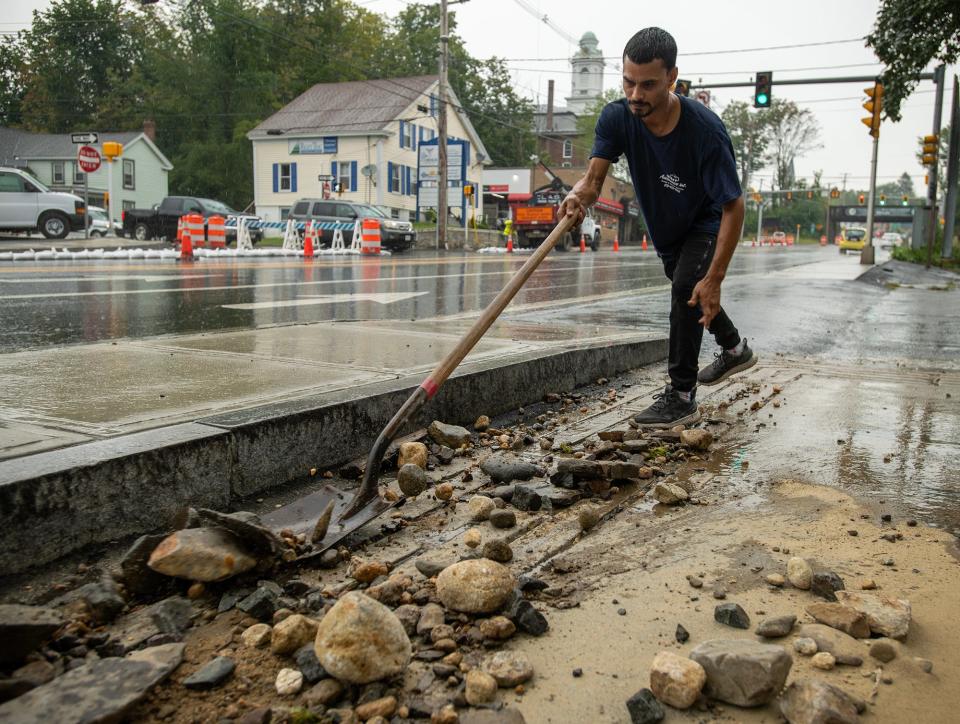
(702, 27)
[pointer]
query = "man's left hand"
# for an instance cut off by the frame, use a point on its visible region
(707, 295)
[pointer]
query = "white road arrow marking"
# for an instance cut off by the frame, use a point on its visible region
(379, 298)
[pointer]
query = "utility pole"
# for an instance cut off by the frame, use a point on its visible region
(442, 129)
(938, 75)
(953, 172)
(874, 106)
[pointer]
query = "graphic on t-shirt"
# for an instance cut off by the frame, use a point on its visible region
(672, 182)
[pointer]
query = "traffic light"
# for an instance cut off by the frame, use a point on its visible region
(683, 87)
(763, 89)
(468, 190)
(874, 106)
(789, 195)
(930, 150)
(861, 198)
(809, 195)
(904, 200)
(883, 199)
(834, 193)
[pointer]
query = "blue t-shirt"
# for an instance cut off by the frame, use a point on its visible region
(683, 178)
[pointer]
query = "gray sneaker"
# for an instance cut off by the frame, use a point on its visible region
(669, 409)
(726, 364)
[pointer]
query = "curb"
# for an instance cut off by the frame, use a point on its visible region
(57, 502)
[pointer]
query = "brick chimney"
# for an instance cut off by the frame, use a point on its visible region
(549, 105)
(150, 129)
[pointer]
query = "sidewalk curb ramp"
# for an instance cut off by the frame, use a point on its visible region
(54, 503)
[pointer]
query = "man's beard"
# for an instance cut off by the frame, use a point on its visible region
(641, 110)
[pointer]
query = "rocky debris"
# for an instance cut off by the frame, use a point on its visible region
(776, 627)
(885, 616)
(361, 640)
(288, 682)
(212, 674)
(412, 480)
(409, 616)
(525, 498)
(431, 564)
(843, 618)
(480, 507)
(588, 516)
(681, 634)
(497, 550)
(323, 524)
(329, 559)
(138, 578)
(669, 494)
(450, 435)
(503, 518)
(475, 586)
(24, 628)
(443, 491)
(509, 668)
(817, 702)
(324, 693)
(390, 592)
(367, 571)
(498, 628)
(527, 618)
(731, 614)
(644, 708)
(412, 453)
(201, 554)
(618, 470)
(799, 573)
(261, 604)
(445, 715)
(102, 690)
(580, 469)
(831, 640)
(823, 660)
(34, 674)
(382, 709)
(926, 665)
(504, 468)
(825, 584)
(805, 646)
(482, 423)
(292, 633)
(481, 687)
(172, 615)
(101, 601)
(883, 650)
(472, 538)
(742, 672)
(256, 636)
(676, 680)
(696, 439)
(775, 580)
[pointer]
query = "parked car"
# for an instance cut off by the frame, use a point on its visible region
(778, 237)
(27, 205)
(100, 225)
(891, 239)
(160, 222)
(852, 238)
(395, 235)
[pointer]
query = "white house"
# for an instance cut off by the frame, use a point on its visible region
(365, 136)
(140, 176)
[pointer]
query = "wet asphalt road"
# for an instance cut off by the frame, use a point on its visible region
(50, 303)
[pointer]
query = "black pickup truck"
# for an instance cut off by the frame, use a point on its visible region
(160, 222)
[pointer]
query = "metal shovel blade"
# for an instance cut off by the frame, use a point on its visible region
(301, 516)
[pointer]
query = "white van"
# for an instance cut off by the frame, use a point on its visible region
(27, 205)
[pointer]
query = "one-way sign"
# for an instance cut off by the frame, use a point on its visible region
(85, 137)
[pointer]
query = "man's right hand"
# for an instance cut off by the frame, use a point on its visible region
(571, 206)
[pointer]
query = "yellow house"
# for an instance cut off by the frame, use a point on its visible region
(361, 141)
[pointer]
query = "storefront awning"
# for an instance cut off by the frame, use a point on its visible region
(609, 205)
(519, 197)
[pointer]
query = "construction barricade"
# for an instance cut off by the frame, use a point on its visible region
(369, 236)
(194, 225)
(217, 232)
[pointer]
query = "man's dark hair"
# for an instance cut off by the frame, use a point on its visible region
(650, 44)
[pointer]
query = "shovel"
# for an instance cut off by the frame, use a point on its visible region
(366, 494)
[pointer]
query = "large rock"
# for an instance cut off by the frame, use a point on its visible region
(102, 600)
(885, 616)
(580, 469)
(475, 586)
(742, 672)
(816, 702)
(843, 618)
(450, 435)
(261, 542)
(480, 507)
(509, 668)
(776, 627)
(138, 578)
(361, 640)
(481, 687)
(201, 554)
(100, 691)
(292, 633)
(696, 438)
(799, 573)
(831, 640)
(212, 674)
(412, 480)
(826, 584)
(669, 494)
(24, 628)
(676, 680)
(506, 468)
(412, 453)
(172, 615)
(644, 708)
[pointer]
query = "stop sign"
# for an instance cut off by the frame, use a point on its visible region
(88, 158)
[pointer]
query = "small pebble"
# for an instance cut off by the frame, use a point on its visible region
(823, 660)
(622, 611)
(805, 646)
(577, 673)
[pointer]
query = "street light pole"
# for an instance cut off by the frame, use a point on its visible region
(867, 255)
(938, 77)
(442, 128)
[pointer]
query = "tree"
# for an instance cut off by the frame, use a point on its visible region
(750, 134)
(908, 35)
(11, 81)
(905, 185)
(793, 132)
(586, 130)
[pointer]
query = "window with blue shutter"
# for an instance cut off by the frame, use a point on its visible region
(293, 177)
(433, 105)
(389, 176)
(413, 136)
(276, 177)
(353, 175)
(402, 129)
(333, 172)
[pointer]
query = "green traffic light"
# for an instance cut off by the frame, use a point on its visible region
(762, 99)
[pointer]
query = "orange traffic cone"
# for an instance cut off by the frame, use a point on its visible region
(186, 246)
(509, 244)
(308, 247)
(643, 246)
(616, 242)
(583, 243)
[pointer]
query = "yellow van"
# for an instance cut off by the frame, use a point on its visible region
(852, 238)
